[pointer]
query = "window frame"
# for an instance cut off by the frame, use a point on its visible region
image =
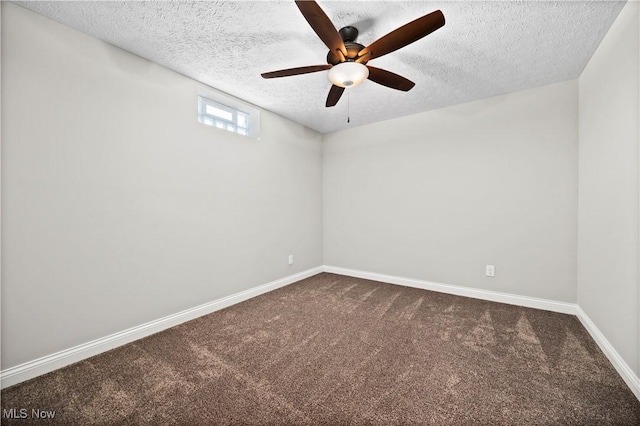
(232, 105)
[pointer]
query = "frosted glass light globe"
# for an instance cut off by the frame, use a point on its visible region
(348, 74)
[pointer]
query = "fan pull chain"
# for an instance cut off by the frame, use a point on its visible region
(348, 107)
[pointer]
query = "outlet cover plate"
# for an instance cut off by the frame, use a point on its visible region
(490, 271)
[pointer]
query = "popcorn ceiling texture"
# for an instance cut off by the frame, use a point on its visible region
(485, 49)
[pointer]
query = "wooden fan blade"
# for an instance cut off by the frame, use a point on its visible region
(406, 34)
(334, 95)
(322, 25)
(389, 79)
(295, 71)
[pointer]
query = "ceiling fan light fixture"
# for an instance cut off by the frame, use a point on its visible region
(348, 74)
(346, 57)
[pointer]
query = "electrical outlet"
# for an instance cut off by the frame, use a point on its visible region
(290, 259)
(490, 271)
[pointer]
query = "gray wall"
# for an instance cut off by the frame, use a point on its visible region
(119, 207)
(608, 255)
(436, 196)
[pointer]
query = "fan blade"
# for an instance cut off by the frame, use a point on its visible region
(334, 95)
(322, 25)
(295, 71)
(389, 79)
(406, 34)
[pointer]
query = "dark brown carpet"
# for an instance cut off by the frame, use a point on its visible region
(336, 350)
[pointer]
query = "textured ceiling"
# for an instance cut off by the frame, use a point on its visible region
(485, 49)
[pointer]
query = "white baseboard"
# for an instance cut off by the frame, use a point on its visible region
(31, 369)
(627, 374)
(494, 296)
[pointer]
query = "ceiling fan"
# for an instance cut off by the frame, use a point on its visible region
(347, 60)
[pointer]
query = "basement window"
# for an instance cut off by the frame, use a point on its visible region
(225, 112)
(215, 114)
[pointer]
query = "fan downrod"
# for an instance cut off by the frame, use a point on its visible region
(348, 33)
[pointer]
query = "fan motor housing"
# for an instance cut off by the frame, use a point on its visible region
(352, 53)
(349, 35)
